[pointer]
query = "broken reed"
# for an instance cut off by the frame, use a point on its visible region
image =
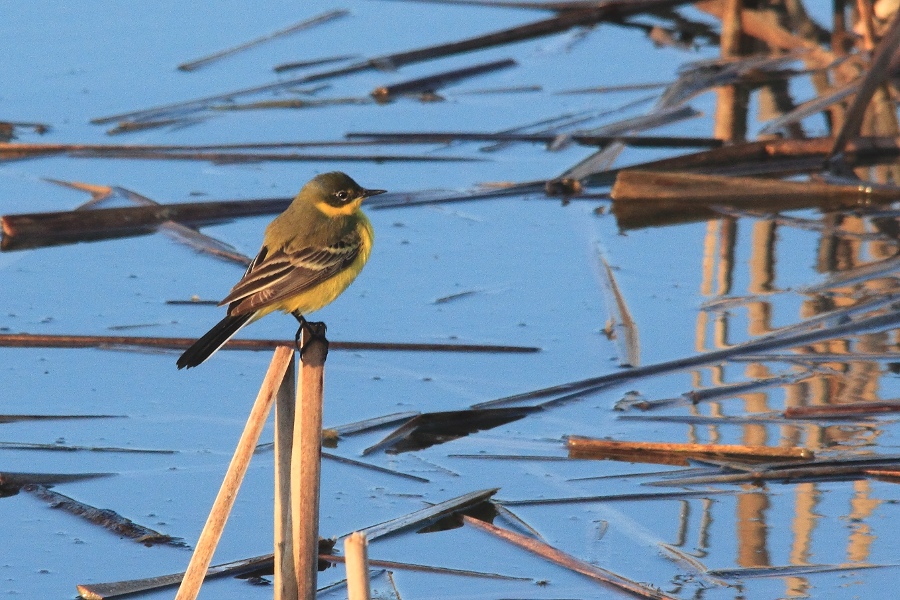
(215, 523)
(564, 21)
(356, 550)
(306, 463)
(25, 340)
(841, 411)
(677, 453)
(563, 559)
(285, 577)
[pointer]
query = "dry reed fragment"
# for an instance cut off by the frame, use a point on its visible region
(636, 497)
(575, 390)
(27, 340)
(215, 524)
(828, 411)
(402, 566)
(568, 561)
(566, 20)
(356, 549)
(371, 467)
(433, 83)
(687, 188)
(589, 447)
(305, 24)
(428, 514)
(104, 517)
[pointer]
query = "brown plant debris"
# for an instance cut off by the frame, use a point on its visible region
(841, 411)
(428, 514)
(11, 483)
(575, 390)
(25, 340)
(673, 453)
(106, 518)
(590, 15)
(433, 83)
(827, 469)
(305, 24)
(568, 561)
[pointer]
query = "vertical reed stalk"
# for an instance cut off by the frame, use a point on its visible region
(306, 462)
(356, 550)
(285, 577)
(215, 523)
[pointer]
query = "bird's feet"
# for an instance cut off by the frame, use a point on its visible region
(315, 333)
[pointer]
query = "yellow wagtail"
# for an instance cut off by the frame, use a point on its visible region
(310, 254)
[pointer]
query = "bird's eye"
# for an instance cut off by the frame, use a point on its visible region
(342, 195)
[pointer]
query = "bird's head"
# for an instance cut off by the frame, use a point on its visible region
(336, 193)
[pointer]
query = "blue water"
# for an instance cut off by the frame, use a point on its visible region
(531, 265)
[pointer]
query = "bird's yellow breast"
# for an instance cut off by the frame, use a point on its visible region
(325, 292)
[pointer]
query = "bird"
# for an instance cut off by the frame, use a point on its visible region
(310, 254)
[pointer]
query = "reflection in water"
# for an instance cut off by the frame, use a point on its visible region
(846, 243)
(861, 508)
(806, 498)
(762, 276)
(706, 521)
(841, 382)
(854, 380)
(751, 528)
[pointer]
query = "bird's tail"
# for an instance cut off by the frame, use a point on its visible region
(212, 340)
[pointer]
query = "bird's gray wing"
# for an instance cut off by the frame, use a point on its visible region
(279, 274)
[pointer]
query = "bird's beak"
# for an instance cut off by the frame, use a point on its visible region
(367, 193)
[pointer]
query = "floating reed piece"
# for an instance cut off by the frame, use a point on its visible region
(108, 519)
(651, 198)
(687, 188)
(432, 83)
(829, 469)
(12, 482)
(52, 228)
(25, 340)
(637, 497)
(114, 589)
(676, 453)
(356, 550)
(621, 326)
(444, 137)
(305, 24)
(570, 562)
(891, 475)
(397, 566)
(575, 390)
(215, 523)
(769, 157)
(564, 21)
(316, 62)
(368, 466)
(238, 155)
(258, 564)
(428, 514)
(841, 411)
